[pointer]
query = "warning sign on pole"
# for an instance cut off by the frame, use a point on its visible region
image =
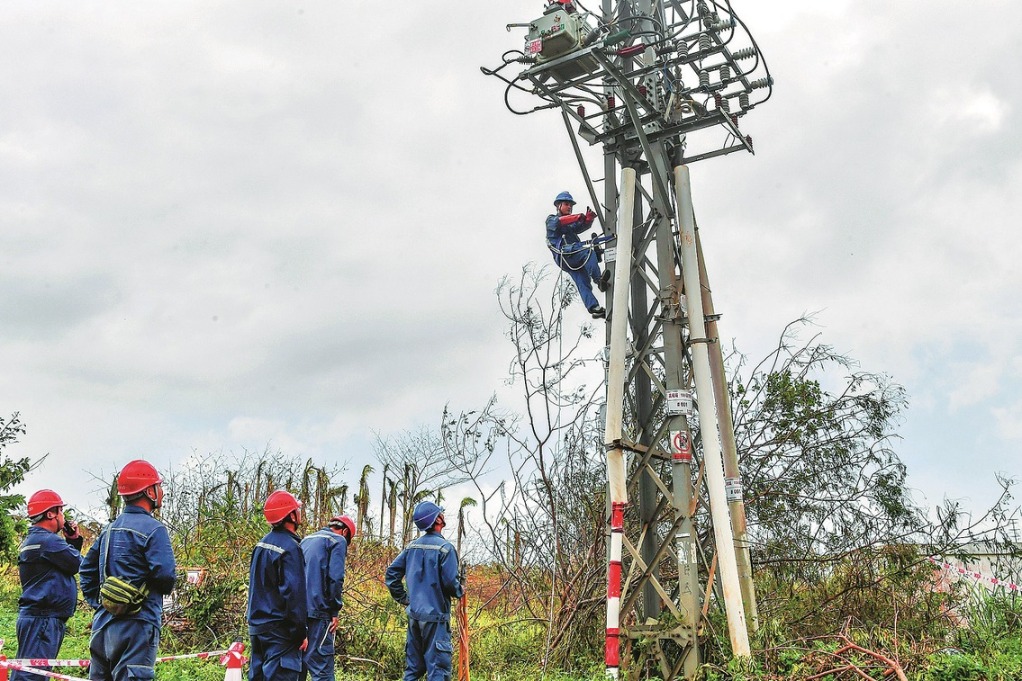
(681, 447)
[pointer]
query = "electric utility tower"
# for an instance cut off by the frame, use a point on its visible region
(659, 84)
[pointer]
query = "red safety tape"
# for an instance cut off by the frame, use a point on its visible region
(42, 662)
(11, 664)
(235, 650)
(978, 576)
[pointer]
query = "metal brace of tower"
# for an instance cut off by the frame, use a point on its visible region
(660, 84)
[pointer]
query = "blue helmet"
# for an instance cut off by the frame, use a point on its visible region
(564, 196)
(425, 514)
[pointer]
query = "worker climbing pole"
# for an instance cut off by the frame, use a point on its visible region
(657, 85)
(579, 259)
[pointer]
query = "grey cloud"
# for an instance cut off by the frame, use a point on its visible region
(299, 214)
(45, 308)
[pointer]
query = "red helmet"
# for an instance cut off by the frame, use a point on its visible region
(338, 520)
(136, 477)
(42, 501)
(279, 505)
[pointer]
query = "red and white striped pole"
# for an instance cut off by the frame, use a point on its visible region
(234, 660)
(617, 482)
(613, 645)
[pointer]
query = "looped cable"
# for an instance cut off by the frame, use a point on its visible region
(562, 255)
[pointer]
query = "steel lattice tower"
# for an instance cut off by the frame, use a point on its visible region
(649, 80)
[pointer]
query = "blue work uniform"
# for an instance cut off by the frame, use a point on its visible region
(325, 552)
(428, 567)
(277, 607)
(571, 256)
(47, 565)
(136, 548)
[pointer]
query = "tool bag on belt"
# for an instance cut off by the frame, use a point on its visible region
(119, 597)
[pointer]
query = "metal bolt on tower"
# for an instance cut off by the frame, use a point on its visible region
(659, 84)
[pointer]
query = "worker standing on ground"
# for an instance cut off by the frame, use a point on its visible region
(574, 257)
(125, 575)
(277, 605)
(325, 553)
(424, 577)
(47, 565)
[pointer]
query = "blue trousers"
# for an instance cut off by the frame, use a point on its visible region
(428, 651)
(319, 656)
(124, 650)
(39, 638)
(583, 269)
(274, 658)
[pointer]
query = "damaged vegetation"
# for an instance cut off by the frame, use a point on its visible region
(839, 548)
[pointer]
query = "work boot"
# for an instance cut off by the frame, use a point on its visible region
(603, 283)
(598, 312)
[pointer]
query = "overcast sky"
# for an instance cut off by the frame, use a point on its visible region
(227, 224)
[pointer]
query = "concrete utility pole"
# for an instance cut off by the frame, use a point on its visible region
(658, 85)
(732, 477)
(714, 461)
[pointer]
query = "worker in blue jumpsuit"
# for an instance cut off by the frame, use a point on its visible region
(325, 552)
(277, 604)
(572, 256)
(47, 565)
(424, 577)
(135, 548)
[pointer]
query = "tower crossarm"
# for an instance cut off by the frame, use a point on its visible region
(684, 71)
